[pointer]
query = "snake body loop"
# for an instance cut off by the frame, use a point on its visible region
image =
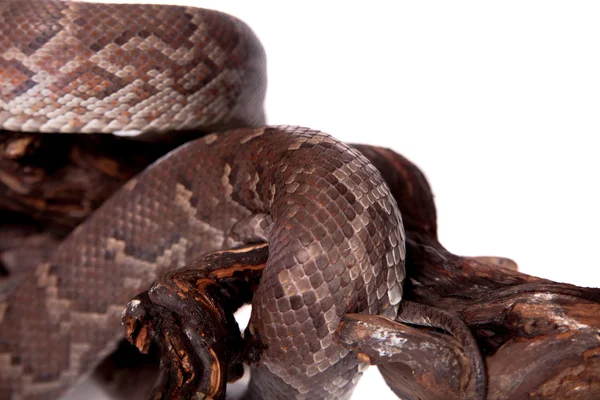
(334, 231)
(336, 246)
(126, 68)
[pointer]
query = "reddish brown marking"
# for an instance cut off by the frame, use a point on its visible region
(228, 272)
(215, 374)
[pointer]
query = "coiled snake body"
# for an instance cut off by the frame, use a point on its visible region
(335, 236)
(335, 246)
(114, 68)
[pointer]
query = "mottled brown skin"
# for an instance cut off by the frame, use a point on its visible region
(334, 232)
(335, 240)
(545, 347)
(70, 67)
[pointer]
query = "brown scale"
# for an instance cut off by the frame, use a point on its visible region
(101, 68)
(334, 233)
(155, 224)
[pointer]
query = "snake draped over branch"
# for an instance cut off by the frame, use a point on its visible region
(303, 227)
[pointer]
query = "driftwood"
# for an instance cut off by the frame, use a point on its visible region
(540, 339)
(57, 180)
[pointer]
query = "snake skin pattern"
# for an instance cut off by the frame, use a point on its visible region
(126, 69)
(336, 246)
(334, 231)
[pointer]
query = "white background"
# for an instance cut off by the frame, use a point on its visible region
(497, 102)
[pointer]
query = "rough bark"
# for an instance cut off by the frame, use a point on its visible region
(540, 339)
(58, 180)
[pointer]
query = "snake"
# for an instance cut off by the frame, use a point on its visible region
(334, 231)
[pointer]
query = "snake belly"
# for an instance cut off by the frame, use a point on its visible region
(336, 246)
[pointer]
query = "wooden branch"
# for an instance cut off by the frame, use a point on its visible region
(58, 180)
(540, 339)
(421, 356)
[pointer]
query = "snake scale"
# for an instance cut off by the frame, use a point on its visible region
(335, 235)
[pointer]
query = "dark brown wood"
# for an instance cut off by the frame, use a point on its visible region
(420, 355)
(58, 180)
(540, 339)
(188, 313)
